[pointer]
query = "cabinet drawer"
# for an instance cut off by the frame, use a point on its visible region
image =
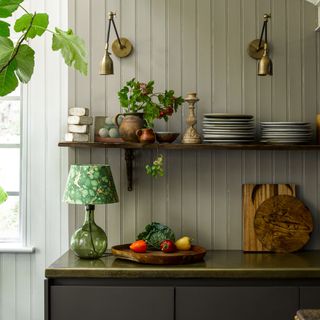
(111, 303)
(240, 303)
(310, 298)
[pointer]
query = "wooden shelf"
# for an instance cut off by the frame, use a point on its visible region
(131, 147)
(181, 146)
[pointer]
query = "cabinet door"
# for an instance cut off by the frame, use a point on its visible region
(111, 303)
(310, 298)
(236, 303)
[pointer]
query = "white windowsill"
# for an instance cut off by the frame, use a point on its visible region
(15, 248)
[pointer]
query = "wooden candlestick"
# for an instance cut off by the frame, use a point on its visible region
(191, 135)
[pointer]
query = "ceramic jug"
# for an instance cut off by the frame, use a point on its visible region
(131, 122)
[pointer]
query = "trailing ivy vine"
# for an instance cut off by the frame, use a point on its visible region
(17, 59)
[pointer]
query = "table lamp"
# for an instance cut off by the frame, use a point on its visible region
(90, 185)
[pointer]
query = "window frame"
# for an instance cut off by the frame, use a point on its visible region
(21, 240)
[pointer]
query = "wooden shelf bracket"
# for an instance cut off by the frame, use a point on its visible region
(129, 157)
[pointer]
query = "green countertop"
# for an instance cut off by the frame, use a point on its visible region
(217, 264)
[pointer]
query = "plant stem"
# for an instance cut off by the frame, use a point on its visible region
(25, 10)
(16, 49)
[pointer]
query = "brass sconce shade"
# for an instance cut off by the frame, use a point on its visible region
(265, 64)
(106, 66)
(121, 48)
(259, 49)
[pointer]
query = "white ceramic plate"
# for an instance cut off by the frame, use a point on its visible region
(284, 123)
(228, 115)
(228, 121)
(286, 135)
(227, 141)
(228, 137)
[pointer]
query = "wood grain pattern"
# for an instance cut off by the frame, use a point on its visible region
(181, 146)
(283, 224)
(196, 254)
(252, 197)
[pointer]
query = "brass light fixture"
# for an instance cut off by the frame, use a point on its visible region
(259, 49)
(121, 48)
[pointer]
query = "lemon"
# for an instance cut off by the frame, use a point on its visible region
(183, 243)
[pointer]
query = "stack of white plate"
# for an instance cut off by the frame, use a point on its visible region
(228, 128)
(286, 132)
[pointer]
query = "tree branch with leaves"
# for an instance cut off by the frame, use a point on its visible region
(17, 60)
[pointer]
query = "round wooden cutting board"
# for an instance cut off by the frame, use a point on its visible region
(196, 254)
(283, 224)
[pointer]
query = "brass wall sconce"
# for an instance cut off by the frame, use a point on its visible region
(121, 48)
(259, 49)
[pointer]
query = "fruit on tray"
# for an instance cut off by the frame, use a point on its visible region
(139, 246)
(167, 246)
(183, 243)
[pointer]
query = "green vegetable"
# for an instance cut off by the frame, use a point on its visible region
(155, 233)
(17, 59)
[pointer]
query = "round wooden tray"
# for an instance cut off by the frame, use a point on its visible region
(196, 254)
(283, 224)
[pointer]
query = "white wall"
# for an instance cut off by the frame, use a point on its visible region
(22, 275)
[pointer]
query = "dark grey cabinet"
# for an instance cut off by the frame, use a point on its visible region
(111, 303)
(226, 303)
(310, 298)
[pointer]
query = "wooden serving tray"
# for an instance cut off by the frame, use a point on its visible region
(196, 254)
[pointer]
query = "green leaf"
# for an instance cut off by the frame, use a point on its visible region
(3, 195)
(39, 24)
(7, 7)
(8, 80)
(72, 49)
(4, 29)
(25, 63)
(6, 50)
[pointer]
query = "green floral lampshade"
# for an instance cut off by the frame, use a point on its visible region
(90, 184)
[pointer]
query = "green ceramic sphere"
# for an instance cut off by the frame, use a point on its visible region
(109, 121)
(114, 133)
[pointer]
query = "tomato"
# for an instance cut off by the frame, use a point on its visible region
(167, 246)
(139, 246)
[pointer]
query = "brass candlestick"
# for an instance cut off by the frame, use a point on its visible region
(191, 135)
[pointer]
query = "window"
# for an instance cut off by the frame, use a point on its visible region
(10, 167)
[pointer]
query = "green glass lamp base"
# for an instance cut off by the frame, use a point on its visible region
(90, 241)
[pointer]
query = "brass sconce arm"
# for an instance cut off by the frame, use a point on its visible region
(121, 48)
(259, 49)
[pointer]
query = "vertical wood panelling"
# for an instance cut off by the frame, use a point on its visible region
(98, 17)
(189, 84)
(128, 71)
(220, 31)
(8, 287)
(204, 85)
(234, 101)
(174, 21)
(143, 73)
(114, 156)
(158, 74)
